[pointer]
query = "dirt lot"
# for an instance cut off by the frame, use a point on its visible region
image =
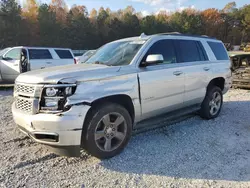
(193, 153)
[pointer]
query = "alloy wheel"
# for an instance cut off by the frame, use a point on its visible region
(110, 132)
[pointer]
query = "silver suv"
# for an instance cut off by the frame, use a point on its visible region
(97, 105)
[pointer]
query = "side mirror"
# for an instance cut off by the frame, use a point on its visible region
(154, 59)
(4, 58)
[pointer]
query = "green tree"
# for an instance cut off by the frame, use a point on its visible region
(29, 14)
(244, 14)
(188, 21)
(49, 28)
(10, 23)
(79, 28)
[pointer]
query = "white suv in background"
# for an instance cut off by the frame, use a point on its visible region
(16, 60)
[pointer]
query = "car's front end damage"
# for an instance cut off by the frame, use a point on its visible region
(51, 105)
(44, 113)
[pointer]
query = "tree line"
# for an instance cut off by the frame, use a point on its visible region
(55, 25)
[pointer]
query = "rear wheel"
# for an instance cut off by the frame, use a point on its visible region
(212, 103)
(107, 130)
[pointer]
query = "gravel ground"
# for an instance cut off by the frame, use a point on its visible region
(193, 153)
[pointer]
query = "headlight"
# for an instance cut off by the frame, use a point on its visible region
(54, 97)
(51, 92)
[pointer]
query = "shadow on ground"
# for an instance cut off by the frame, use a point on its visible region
(216, 149)
(6, 91)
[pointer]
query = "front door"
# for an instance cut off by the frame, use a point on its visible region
(161, 85)
(10, 64)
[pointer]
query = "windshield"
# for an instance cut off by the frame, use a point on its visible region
(117, 53)
(3, 51)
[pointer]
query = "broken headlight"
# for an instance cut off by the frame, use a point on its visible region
(54, 97)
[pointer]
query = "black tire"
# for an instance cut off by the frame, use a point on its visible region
(205, 111)
(95, 120)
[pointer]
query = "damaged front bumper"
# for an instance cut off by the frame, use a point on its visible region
(61, 131)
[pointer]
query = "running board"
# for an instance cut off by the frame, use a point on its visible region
(166, 119)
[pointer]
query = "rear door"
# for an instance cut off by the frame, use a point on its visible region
(10, 64)
(197, 70)
(40, 58)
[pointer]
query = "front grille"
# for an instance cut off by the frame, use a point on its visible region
(27, 97)
(28, 89)
(24, 105)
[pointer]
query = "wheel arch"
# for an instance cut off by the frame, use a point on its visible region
(219, 82)
(121, 99)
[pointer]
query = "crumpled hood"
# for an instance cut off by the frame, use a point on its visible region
(80, 72)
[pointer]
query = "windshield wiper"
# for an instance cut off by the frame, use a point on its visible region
(99, 62)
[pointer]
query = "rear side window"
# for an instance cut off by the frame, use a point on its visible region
(39, 54)
(190, 51)
(165, 48)
(218, 50)
(64, 54)
(202, 51)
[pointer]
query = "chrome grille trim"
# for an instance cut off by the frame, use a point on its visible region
(25, 89)
(27, 97)
(24, 104)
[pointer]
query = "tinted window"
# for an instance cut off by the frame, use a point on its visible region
(188, 50)
(14, 54)
(64, 54)
(165, 48)
(202, 51)
(218, 50)
(39, 54)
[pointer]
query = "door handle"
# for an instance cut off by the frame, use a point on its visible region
(177, 73)
(206, 69)
(16, 64)
(49, 62)
(42, 67)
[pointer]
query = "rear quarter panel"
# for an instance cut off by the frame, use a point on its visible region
(219, 68)
(57, 61)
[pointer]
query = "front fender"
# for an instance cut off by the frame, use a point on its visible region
(90, 91)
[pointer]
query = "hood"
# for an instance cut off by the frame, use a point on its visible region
(81, 72)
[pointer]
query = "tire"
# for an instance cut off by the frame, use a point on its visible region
(107, 130)
(206, 111)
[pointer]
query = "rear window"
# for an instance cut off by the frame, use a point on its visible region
(39, 54)
(218, 50)
(64, 54)
(190, 51)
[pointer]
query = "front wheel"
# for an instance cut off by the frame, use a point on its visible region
(107, 130)
(211, 106)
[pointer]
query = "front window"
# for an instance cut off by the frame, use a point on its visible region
(116, 53)
(14, 54)
(3, 51)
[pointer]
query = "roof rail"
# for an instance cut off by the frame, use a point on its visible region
(186, 35)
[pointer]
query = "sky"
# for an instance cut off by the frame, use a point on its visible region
(151, 6)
